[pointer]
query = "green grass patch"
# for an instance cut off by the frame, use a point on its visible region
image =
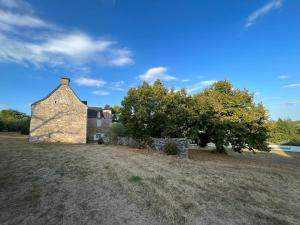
(135, 179)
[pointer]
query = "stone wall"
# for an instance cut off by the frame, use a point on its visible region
(181, 143)
(60, 117)
(159, 143)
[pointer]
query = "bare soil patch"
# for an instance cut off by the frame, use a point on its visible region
(99, 184)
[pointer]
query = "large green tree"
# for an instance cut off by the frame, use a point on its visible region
(141, 113)
(226, 115)
(220, 114)
(154, 111)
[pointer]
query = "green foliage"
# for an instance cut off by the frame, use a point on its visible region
(114, 131)
(229, 116)
(135, 179)
(284, 132)
(171, 149)
(107, 106)
(25, 126)
(100, 141)
(220, 114)
(154, 111)
(116, 112)
(1, 125)
(13, 120)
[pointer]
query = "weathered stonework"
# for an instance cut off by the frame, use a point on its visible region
(159, 143)
(181, 143)
(60, 117)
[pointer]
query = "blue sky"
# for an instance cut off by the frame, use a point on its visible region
(107, 46)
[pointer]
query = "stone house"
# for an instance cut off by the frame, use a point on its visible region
(62, 117)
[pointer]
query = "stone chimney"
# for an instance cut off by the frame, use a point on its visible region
(64, 81)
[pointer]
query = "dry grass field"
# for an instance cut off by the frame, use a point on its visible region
(98, 184)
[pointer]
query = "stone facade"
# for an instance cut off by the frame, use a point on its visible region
(60, 117)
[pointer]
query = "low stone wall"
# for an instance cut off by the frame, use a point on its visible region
(158, 143)
(128, 141)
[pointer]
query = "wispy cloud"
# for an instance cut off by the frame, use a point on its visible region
(117, 86)
(271, 5)
(201, 85)
(82, 81)
(257, 93)
(292, 86)
(20, 20)
(155, 73)
(291, 103)
(101, 92)
(55, 46)
(185, 80)
(15, 4)
(283, 77)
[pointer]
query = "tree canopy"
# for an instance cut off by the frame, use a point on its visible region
(220, 114)
(230, 116)
(285, 132)
(154, 111)
(13, 120)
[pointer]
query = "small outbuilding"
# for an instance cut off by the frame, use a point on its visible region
(62, 117)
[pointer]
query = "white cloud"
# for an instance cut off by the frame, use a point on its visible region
(60, 50)
(291, 103)
(117, 86)
(292, 86)
(283, 77)
(119, 83)
(21, 20)
(257, 93)
(27, 39)
(201, 85)
(15, 4)
(101, 92)
(155, 73)
(89, 82)
(271, 5)
(185, 80)
(121, 57)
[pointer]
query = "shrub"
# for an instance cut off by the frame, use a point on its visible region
(171, 149)
(24, 126)
(1, 125)
(118, 129)
(114, 131)
(204, 139)
(100, 141)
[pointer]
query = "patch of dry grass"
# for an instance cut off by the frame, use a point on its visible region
(98, 184)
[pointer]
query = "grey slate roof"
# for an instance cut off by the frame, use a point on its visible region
(93, 111)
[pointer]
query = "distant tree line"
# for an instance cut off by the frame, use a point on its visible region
(286, 132)
(220, 114)
(13, 120)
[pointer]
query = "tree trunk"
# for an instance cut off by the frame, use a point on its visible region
(220, 149)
